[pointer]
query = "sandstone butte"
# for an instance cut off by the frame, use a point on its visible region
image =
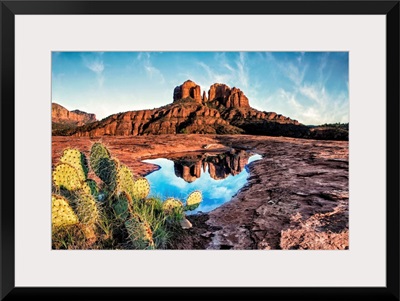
(224, 111)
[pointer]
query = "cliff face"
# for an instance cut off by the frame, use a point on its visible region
(188, 89)
(225, 111)
(180, 117)
(229, 98)
(59, 114)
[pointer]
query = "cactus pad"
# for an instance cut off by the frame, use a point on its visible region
(76, 159)
(97, 152)
(107, 171)
(139, 232)
(121, 206)
(171, 206)
(86, 209)
(102, 164)
(193, 201)
(140, 189)
(91, 187)
(66, 176)
(125, 182)
(61, 212)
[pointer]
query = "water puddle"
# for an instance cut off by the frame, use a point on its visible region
(219, 176)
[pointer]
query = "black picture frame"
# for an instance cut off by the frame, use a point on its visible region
(9, 9)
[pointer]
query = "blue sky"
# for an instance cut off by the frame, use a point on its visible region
(311, 87)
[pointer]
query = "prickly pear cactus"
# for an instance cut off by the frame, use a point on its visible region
(66, 176)
(61, 212)
(98, 152)
(78, 160)
(107, 172)
(121, 206)
(90, 187)
(86, 209)
(172, 206)
(103, 165)
(86, 188)
(193, 201)
(154, 203)
(140, 189)
(125, 182)
(139, 232)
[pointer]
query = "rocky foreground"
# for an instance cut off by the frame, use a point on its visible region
(297, 196)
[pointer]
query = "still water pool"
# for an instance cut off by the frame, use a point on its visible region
(219, 176)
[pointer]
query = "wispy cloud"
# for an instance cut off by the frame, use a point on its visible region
(233, 73)
(310, 105)
(242, 71)
(213, 75)
(151, 71)
(95, 63)
(96, 66)
(308, 102)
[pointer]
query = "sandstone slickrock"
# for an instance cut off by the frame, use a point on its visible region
(297, 195)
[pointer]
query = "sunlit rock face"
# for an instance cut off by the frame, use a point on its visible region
(229, 98)
(188, 89)
(226, 111)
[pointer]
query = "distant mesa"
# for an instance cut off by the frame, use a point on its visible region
(60, 114)
(63, 119)
(223, 110)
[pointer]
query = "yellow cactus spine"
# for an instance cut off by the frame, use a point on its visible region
(193, 201)
(125, 182)
(86, 209)
(66, 176)
(77, 160)
(139, 232)
(171, 206)
(140, 189)
(61, 212)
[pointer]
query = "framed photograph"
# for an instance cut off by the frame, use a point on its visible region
(217, 149)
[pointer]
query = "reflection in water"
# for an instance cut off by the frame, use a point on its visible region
(217, 176)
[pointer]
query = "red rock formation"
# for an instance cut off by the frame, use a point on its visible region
(230, 98)
(218, 91)
(225, 111)
(188, 89)
(237, 99)
(204, 97)
(59, 114)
